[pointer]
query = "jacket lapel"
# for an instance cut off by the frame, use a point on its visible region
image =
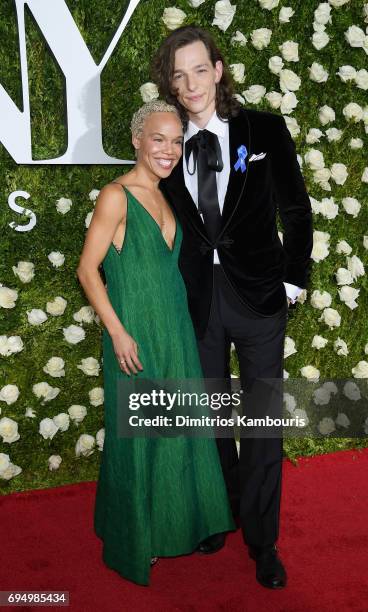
(239, 134)
(181, 199)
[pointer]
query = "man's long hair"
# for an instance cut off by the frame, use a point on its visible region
(163, 69)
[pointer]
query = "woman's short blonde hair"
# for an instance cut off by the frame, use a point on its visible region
(140, 116)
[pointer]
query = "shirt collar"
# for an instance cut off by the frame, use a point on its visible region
(215, 125)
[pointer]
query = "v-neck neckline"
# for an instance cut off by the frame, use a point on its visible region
(153, 219)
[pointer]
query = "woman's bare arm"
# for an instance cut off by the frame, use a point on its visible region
(110, 210)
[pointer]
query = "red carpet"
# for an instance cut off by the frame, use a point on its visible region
(47, 542)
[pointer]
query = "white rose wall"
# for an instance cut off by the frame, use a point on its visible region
(305, 60)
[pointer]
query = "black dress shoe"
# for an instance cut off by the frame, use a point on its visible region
(270, 572)
(212, 544)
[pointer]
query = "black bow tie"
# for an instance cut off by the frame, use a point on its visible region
(208, 143)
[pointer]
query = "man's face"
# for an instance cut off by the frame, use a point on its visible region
(194, 80)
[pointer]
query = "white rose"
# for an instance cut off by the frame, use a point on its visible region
(316, 205)
(289, 347)
(239, 39)
(346, 73)
(342, 420)
(15, 344)
(314, 159)
(261, 38)
(148, 92)
(364, 178)
(331, 317)
(96, 396)
(318, 27)
(353, 112)
(47, 428)
(84, 315)
(269, 4)
(360, 370)
(9, 430)
(319, 342)
(355, 36)
(285, 374)
(343, 247)
(173, 17)
(275, 64)
(326, 426)
(317, 73)
(56, 258)
(313, 135)
(85, 445)
(290, 402)
(77, 413)
(239, 98)
(326, 114)
(365, 12)
(89, 366)
(62, 421)
(320, 251)
(321, 299)
(274, 99)
(93, 195)
(352, 206)
(338, 3)
(36, 316)
(74, 334)
(54, 462)
(361, 79)
(321, 396)
(365, 242)
(333, 134)
(349, 295)
(300, 414)
(320, 40)
(290, 51)
(9, 394)
(24, 270)
(352, 391)
(4, 346)
(321, 177)
(289, 81)
(57, 306)
(344, 277)
(224, 14)
(293, 127)
(341, 348)
(100, 439)
(254, 93)
(355, 266)
(63, 205)
(339, 173)
(55, 367)
(238, 71)
(356, 143)
(322, 14)
(328, 208)
(286, 12)
(4, 463)
(45, 391)
(8, 297)
(288, 103)
(310, 372)
(88, 219)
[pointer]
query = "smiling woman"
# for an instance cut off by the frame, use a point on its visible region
(145, 483)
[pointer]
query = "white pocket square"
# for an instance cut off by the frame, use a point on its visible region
(257, 156)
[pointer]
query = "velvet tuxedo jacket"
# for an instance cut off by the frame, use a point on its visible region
(253, 258)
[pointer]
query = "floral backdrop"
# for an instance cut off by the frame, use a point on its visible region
(304, 59)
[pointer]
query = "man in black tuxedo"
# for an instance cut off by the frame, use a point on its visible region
(239, 166)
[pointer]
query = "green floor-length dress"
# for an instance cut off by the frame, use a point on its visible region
(155, 496)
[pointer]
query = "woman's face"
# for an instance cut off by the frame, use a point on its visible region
(159, 147)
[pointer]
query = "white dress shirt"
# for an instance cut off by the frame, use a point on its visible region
(221, 129)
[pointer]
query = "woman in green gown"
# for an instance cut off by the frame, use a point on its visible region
(156, 497)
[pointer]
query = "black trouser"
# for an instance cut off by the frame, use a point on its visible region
(253, 479)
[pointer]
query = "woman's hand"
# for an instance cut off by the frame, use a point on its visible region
(126, 351)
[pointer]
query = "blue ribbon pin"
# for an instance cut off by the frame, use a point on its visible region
(242, 155)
